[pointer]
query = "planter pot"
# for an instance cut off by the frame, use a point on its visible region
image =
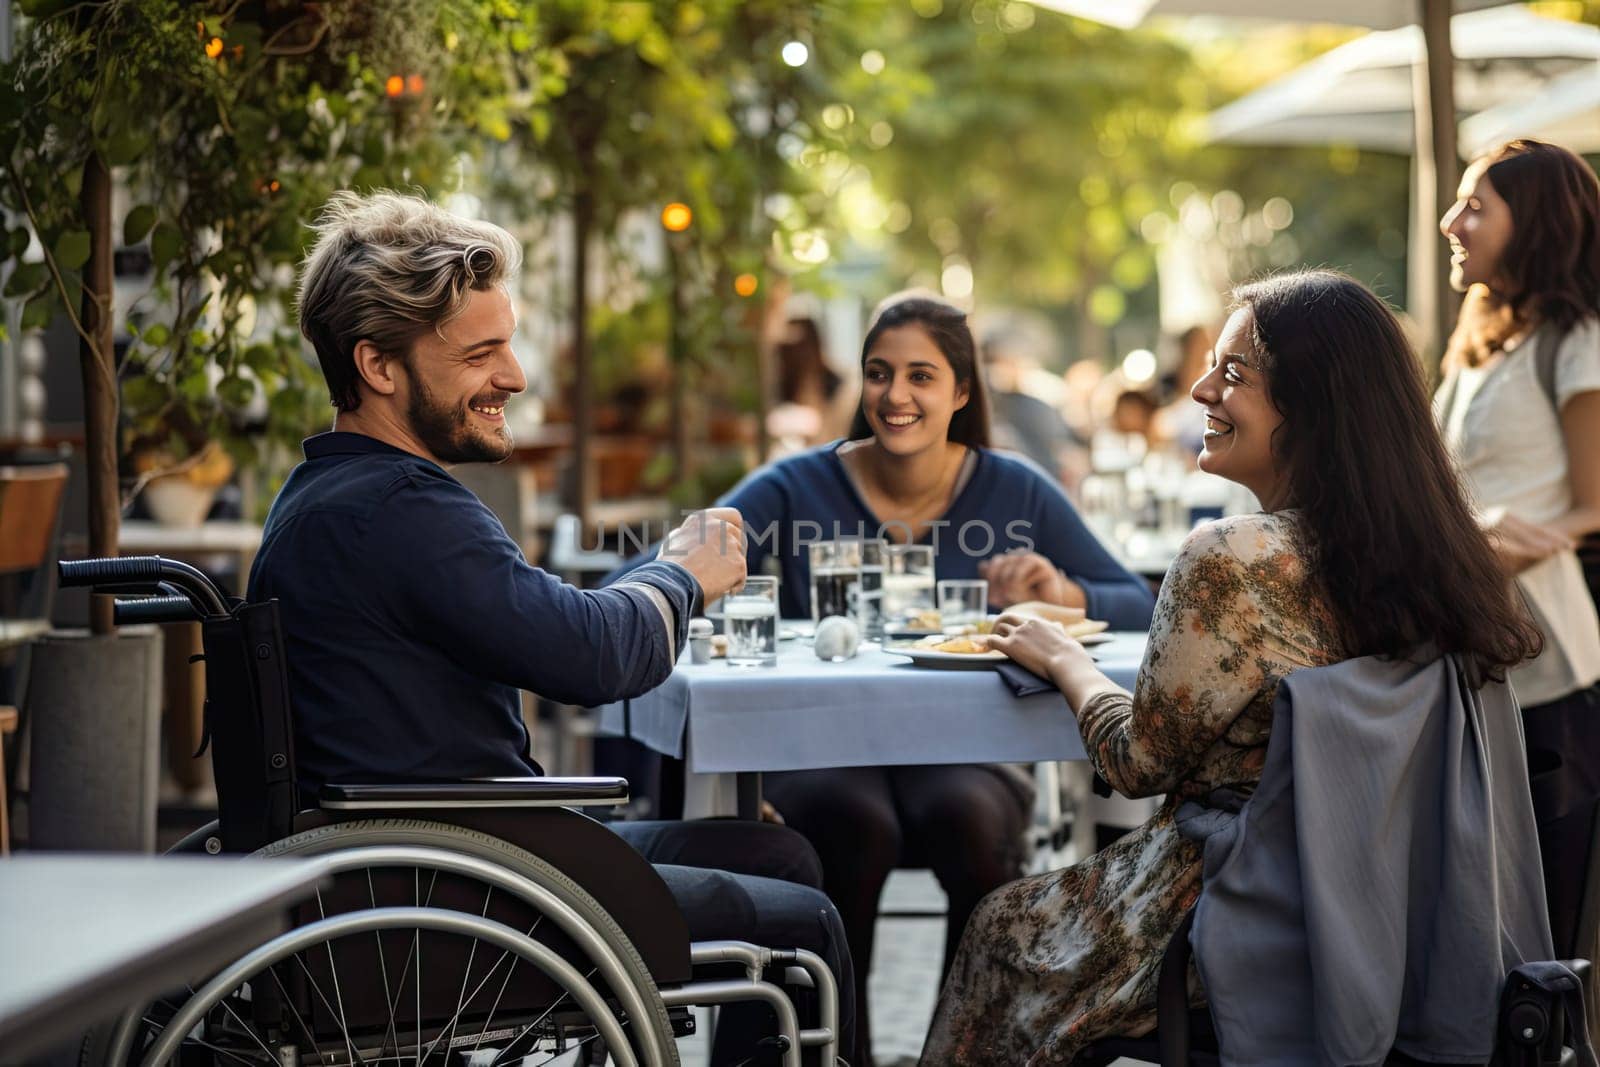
(176, 501)
(94, 708)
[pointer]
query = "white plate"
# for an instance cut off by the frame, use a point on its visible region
(932, 657)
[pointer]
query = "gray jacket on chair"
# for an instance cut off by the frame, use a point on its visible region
(1384, 877)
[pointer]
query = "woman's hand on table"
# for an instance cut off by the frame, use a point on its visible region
(1041, 646)
(1020, 575)
(1045, 649)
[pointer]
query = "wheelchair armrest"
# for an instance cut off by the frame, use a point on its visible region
(475, 793)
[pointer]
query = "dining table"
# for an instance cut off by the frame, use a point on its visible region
(875, 708)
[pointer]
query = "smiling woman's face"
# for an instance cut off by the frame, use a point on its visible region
(1478, 227)
(1240, 418)
(908, 391)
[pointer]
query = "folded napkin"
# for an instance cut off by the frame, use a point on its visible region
(1021, 681)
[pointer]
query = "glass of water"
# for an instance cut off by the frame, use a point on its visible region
(750, 617)
(835, 568)
(867, 598)
(963, 602)
(907, 585)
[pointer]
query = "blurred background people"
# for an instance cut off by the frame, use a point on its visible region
(1180, 423)
(812, 407)
(1024, 423)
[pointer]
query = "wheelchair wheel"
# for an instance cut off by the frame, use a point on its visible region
(356, 998)
(289, 1002)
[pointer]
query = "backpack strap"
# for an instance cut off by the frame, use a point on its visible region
(1548, 347)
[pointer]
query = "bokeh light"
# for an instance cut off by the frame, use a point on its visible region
(1139, 366)
(676, 217)
(795, 53)
(746, 284)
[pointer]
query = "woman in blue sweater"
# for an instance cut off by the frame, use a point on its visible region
(918, 468)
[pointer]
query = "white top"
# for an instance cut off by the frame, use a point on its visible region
(1508, 443)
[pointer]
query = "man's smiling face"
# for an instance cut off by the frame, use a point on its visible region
(459, 379)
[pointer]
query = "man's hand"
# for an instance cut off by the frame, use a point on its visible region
(1520, 544)
(1019, 575)
(710, 546)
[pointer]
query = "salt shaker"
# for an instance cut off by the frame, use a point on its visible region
(837, 639)
(700, 640)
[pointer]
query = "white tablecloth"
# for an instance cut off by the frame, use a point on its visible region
(876, 709)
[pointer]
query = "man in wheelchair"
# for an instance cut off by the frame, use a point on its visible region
(410, 618)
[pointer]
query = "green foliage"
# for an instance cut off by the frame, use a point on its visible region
(230, 124)
(1031, 151)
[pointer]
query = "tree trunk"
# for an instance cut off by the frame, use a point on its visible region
(99, 379)
(583, 496)
(678, 360)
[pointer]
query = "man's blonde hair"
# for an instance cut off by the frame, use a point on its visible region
(386, 268)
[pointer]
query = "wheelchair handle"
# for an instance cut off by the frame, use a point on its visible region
(121, 570)
(146, 574)
(157, 609)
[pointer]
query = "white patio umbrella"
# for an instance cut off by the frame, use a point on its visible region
(1435, 183)
(1377, 14)
(1362, 94)
(1566, 111)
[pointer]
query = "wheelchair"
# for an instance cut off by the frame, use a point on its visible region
(483, 922)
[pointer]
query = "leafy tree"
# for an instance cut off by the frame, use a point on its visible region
(658, 102)
(230, 124)
(1035, 147)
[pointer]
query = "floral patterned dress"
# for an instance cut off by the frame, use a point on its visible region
(1051, 962)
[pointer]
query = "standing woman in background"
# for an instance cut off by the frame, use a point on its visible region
(1520, 408)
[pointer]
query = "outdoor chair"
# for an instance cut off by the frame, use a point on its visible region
(1400, 776)
(30, 513)
(488, 918)
(1532, 1028)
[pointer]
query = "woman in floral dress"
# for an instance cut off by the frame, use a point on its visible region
(1365, 545)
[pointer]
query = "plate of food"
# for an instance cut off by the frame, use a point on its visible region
(938, 650)
(1070, 620)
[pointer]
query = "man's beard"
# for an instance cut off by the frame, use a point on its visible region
(447, 431)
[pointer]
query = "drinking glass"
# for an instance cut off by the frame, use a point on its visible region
(963, 602)
(907, 585)
(867, 597)
(835, 567)
(750, 616)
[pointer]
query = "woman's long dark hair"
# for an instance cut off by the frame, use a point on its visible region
(1551, 265)
(945, 325)
(1399, 554)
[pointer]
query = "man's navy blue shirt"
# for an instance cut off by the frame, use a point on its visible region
(412, 620)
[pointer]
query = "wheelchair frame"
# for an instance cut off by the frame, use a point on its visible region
(634, 939)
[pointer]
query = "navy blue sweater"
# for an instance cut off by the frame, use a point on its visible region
(1008, 503)
(412, 621)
